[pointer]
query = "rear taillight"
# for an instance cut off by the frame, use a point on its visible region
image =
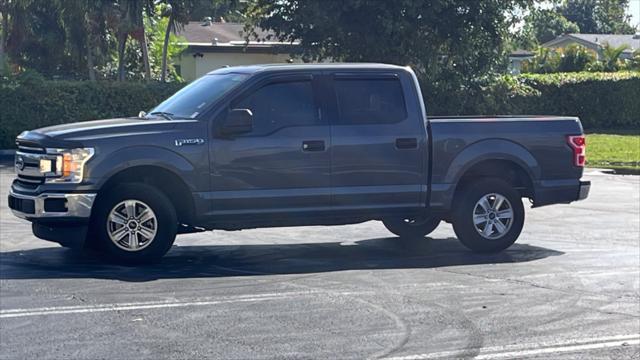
(579, 146)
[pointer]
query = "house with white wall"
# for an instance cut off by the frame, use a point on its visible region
(212, 45)
(596, 42)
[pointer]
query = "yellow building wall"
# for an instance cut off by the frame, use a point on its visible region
(192, 68)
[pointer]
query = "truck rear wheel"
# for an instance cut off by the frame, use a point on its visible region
(134, 223)
(488, 215)
(412, 228)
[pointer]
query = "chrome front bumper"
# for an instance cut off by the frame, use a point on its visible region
(35, 207)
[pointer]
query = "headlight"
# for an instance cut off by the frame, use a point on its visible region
(67, 165)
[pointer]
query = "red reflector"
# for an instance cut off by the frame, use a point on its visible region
(578, 145)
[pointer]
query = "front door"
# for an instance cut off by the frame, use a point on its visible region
(280, 168)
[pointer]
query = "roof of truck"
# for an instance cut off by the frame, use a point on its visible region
(306, 66)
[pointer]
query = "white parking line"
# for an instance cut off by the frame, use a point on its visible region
(80, 309)
(522, 350)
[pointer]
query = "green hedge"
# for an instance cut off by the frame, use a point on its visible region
(30, 105)
(601, 100)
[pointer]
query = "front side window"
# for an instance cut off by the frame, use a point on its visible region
(280, 105)
(194, 98)
(370, 101)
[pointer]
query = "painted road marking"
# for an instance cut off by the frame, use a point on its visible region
(80, 309)
(518, 351)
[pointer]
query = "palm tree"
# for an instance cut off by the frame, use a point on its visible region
(178, 16)
(4, 25)
(131, 22)
(147, 8)
(611, 56)
(95, 23)
(77, 17)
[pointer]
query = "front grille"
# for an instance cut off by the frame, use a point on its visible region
(31, 180)
(24, 186)
(29, 147)
(27, 164)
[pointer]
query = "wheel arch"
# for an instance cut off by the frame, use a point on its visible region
(165, 180)
(499, 158)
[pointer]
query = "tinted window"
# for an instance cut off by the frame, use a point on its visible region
(279, 105)
(370, 101)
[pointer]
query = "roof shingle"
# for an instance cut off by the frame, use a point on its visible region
(197, 32)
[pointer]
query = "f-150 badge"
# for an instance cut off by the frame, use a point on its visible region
(180, 142)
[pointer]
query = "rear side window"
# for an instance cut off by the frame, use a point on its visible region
(370, 101)
(279, 105)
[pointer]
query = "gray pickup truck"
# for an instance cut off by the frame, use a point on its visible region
(292, 145)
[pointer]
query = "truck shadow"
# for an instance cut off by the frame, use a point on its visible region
(261, 260)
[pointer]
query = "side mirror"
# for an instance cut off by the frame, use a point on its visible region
(238, 121)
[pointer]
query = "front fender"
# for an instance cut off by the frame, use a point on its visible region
(107, 165)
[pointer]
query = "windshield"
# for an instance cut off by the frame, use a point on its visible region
(191, 100)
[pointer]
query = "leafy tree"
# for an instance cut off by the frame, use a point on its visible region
(542, 25)
(36, 38)
(229, 10)
(449, 42)
(598, 16)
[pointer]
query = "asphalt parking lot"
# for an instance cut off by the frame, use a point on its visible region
(569, 288)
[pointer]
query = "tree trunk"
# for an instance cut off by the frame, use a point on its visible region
(165, 48)
(3, 40)
(92, 72)
(122, 43)
(145, 55)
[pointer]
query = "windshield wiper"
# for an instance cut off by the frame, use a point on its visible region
(163, 114)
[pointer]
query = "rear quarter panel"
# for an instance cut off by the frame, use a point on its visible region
(537, 144)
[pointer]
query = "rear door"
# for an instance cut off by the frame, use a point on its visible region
(379, 150)
(282, 166)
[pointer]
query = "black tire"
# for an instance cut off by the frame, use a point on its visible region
(467, 207)
(165, 224)
(411, 228)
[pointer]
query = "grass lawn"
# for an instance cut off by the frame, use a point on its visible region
(614, 151)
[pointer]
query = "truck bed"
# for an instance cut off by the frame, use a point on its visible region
(537, 143)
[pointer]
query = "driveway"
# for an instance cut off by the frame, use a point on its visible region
(569, 288)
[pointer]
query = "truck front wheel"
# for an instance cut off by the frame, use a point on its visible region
(134, 223)
(488, 215)
(412, 228)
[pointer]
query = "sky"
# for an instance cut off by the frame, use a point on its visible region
(634, 11)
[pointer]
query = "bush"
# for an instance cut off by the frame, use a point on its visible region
(29, 102)
(601, 100)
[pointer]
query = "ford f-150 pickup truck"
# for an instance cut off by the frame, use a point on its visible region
(292, 145)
